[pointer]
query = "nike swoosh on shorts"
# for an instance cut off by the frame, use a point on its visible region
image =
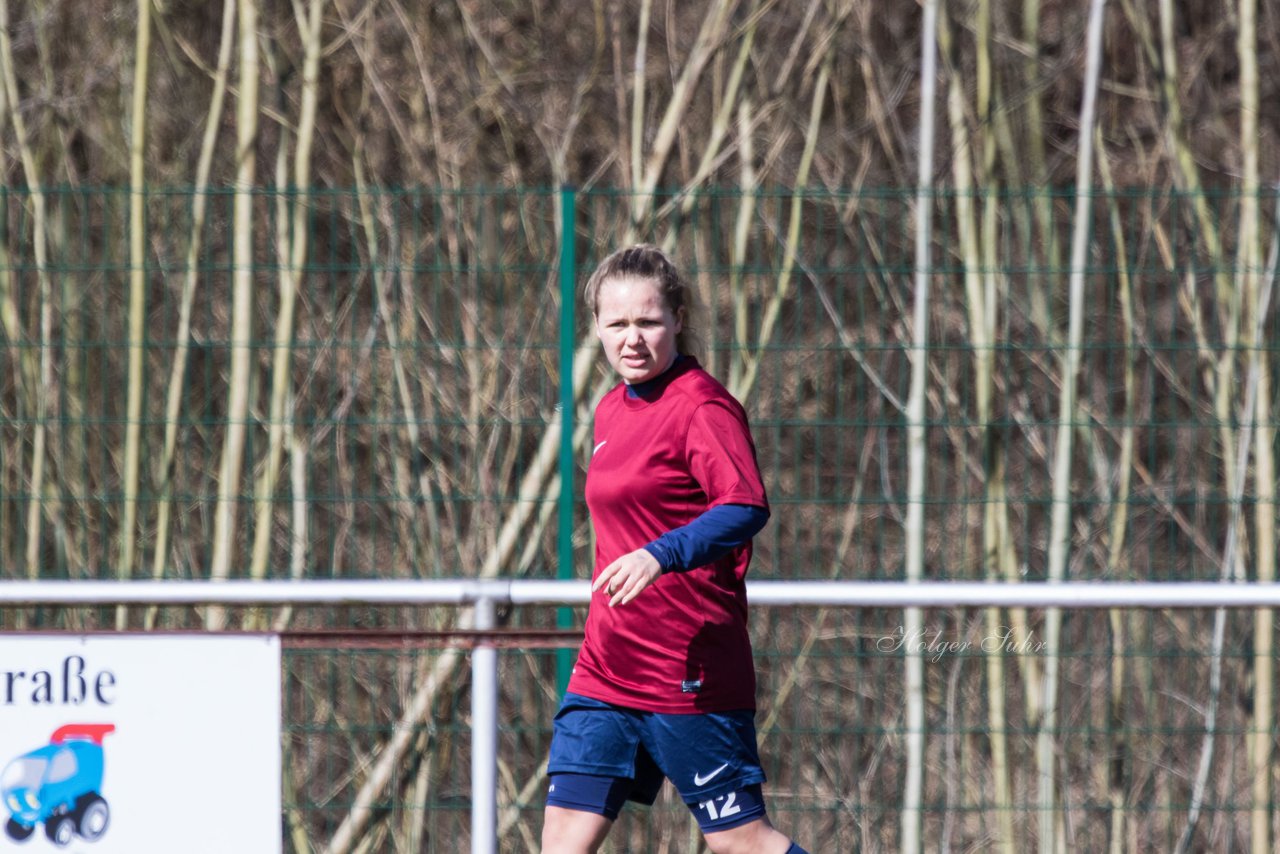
(701, 780)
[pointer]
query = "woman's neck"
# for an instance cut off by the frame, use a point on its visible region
(642, 388)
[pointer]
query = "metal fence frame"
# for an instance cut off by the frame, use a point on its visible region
(485, 595)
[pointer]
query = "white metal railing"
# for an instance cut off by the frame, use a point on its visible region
(486, 594)
(461, 591)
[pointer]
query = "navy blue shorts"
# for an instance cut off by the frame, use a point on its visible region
(711, 757)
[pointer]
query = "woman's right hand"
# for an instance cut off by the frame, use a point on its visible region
(628, 576)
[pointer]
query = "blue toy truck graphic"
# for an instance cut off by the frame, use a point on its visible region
(59, 784)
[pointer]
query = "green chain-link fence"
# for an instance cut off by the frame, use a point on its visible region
(417, 433)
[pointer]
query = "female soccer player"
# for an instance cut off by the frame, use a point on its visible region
(664, 685)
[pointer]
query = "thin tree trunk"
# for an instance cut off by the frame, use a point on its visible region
(742, 389)
(1228, 570)
(638, 94)
(1221, 381)
(979, 287)
(413, 533)
(291, 277)
(178, 370)
(720, 123)
(137, 302)
(1265, 521)
(913, 621)
(1006, 558)
(1113, 769)
(1262, 732)
(300, 542)
(296, 829)
(428, 383)
(1039, 173)
(40, 249)
(241, 337)
(742, 231)
(27, 371)
(708, 41)
(23, 376)
(1059, 536)
(1250, 257)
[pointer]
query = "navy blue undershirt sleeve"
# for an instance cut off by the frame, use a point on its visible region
(709, 537)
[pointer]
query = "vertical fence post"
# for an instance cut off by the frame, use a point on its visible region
(568, 341)
(484, 736)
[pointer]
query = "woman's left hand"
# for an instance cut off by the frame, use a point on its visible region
(627, 576)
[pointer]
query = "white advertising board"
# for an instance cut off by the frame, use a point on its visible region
(140, 743)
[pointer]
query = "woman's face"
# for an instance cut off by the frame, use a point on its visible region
(636, 327)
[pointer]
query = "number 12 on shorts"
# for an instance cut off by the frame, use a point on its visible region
(730, 807)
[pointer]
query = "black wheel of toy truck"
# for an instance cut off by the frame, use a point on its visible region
(60, 829)
(92, 818)
(18, 832)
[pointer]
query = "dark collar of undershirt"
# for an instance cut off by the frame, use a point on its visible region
(644, 388)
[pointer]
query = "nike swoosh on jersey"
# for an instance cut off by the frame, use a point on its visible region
(702, 780)
(598, 447)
